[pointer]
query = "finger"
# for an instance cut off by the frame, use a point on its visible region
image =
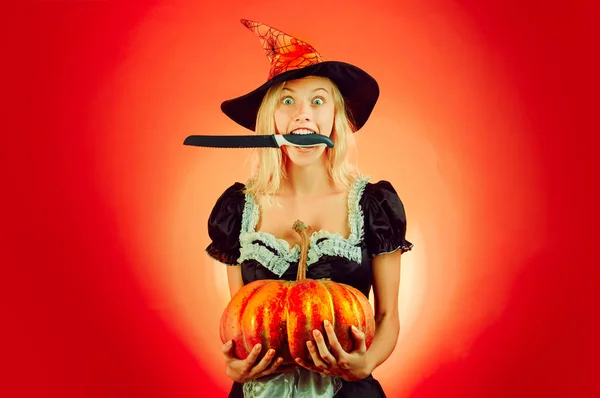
(227, 346)
(360, 340)
(322, 347)
(334, 343)
(314, 354)
(274, 365)
(227, 349)
(264, 362)
(249, 361)
(312, 367)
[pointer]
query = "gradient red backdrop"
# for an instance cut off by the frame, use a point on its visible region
(480, 127)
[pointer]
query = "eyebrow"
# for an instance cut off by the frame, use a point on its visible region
(316, 89)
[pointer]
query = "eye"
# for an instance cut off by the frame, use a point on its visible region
(287, 101)
(318, 101)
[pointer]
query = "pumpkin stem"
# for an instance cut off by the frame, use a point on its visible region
(301, 228)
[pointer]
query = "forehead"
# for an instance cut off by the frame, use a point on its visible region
(308, 83)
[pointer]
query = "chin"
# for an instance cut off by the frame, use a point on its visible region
(302, 157)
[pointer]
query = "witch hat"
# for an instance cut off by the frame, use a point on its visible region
(291, 59)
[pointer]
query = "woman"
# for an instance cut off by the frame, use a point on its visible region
(360, 226)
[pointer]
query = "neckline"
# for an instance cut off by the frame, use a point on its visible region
(353, 207)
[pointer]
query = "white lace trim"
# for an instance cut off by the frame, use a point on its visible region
(277, 255)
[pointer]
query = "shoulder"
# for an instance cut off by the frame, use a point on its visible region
(231, 196)
(384, 218)
(224, 224)
(234, 191)
(381, 193)
(228, 207)
(381, 186)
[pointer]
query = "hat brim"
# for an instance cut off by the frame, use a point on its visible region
(359, 89)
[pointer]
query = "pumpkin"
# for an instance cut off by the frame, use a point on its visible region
(281, 315)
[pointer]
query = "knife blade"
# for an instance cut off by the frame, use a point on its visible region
(258, 141)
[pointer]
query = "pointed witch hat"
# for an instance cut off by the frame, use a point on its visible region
(292, 59)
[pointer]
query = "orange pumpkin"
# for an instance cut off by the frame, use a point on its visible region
(281, 315)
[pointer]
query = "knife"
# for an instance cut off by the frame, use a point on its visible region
(258, 141)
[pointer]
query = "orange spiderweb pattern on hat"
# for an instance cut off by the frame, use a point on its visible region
(285, 52)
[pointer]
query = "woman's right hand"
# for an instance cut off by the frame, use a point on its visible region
(243, 370)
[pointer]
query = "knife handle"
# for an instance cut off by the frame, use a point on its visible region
(303, 141)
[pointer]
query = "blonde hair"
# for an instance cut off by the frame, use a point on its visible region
(270, 163)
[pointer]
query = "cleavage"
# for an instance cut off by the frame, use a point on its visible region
(330, 214)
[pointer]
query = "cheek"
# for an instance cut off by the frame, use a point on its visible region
(281, 121)
(325, 121)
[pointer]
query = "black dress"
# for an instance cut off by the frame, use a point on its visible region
(377, 225)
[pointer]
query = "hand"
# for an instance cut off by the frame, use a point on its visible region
(243, 370)
(350, 366)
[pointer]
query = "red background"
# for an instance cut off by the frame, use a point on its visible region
(482, 127)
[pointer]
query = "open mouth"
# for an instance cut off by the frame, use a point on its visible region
(302, 132)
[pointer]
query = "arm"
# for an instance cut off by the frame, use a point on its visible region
(360, 363)
(234, 278)
(386, 283)
(239, 370)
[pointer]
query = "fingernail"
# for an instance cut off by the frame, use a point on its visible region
(297, 359)
(257, 347)
(327, 323)
(279, 360)
(316, 333)
(271, 353)
(354, 328)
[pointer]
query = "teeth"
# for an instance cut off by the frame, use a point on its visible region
(303, 131)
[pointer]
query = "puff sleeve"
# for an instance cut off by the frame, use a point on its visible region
(385, 220)
(224, 225)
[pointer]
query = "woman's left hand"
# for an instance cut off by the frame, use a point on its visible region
(350, 366)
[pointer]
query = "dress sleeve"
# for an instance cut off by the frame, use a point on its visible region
(385, 220)
(224, 225)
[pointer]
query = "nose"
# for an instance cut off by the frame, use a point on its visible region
(304, 113)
